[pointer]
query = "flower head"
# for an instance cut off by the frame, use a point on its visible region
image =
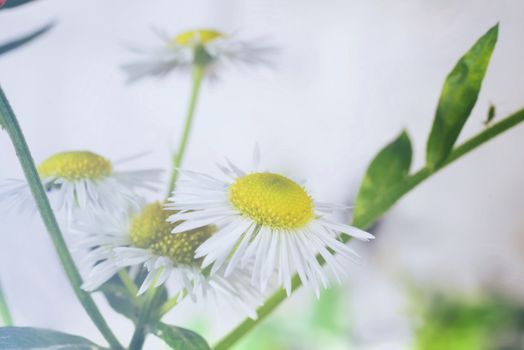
(76, 165)
(80, 179)
(206, 48)
(193, 38)
(267, 220)
(142, 238)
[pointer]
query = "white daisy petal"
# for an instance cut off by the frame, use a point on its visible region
(350, 230)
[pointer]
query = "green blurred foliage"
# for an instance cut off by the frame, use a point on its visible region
(470, 324)
(322, 324)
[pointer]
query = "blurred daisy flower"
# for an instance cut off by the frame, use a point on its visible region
(80, 179)
(264, 219)
(205, 48)
(142, 238)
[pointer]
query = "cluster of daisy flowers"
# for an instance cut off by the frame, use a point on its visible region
(232, 237)
(235, 237)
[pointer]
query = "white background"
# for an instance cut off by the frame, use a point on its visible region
(350, 75)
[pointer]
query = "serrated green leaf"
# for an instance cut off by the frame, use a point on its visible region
(458, 97)
(389, 167)
(25, 338)
(180, 338)
(16, 43)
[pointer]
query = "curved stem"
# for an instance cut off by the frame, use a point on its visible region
(9, 121)
(387, 201)
(5, 315)
(198, 74)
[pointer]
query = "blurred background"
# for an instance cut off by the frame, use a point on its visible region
(349, 76)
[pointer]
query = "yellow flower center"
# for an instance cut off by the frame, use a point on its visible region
(272, 200)
(197, 37)
(77, 165)
(150, 230)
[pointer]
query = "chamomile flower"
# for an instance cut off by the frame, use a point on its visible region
(267, 220)
(202, 47)
(79, 179)
(142, 238)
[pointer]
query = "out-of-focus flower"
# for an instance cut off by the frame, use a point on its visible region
(143, 238)
(265, 219)
(205, 48)
(80, 179)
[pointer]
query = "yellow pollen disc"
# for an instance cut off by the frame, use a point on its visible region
(150, 230)
(272, 200)
(197, 37)
(77, 165)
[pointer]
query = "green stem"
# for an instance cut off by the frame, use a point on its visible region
(5, 315)
(137, 341)
(9, 121)
(171, 303)
(132, 290)
(198, 74)
(262, 312)
(168, 305)
(412, 181)
(139, 336)
(387, 202)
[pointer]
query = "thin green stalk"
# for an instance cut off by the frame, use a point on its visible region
(168, 305)
(387, 201)
(132, 290)
(262, 312)
(139, 336)
(10, 123)
(171, 303)
(198, 74)
(5, 315)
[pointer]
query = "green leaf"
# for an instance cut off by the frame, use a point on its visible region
(22, 338)
(389, 167)
(180, 338)
(119, 299)
(458, 97)
(15, 3)
(16, 43)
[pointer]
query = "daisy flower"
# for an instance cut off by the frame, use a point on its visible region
(202, 47)
(80, 179)
(267, 220)
(142, 238)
